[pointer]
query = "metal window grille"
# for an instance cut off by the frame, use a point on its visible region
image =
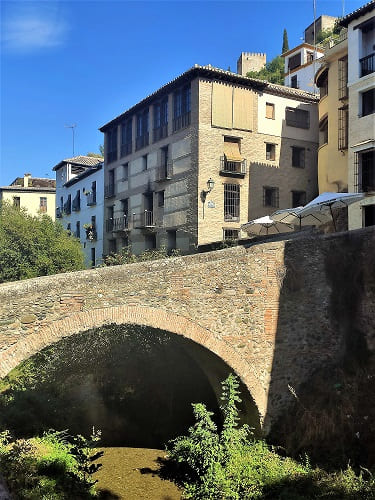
(367, 164)
(270, 151)
(230, 234)
(270, 196)
(357, 187)
(343, 78)
(343, 129)
(231, 201)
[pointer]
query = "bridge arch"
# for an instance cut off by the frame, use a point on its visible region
(81, 321)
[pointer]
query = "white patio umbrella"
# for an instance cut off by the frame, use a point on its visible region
(326, 202)
(266, 224)
(294, 215)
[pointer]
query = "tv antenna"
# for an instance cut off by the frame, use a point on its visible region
(72, 127)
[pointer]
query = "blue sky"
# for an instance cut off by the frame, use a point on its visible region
(85, 62)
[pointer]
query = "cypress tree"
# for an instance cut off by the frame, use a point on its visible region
(285, 42)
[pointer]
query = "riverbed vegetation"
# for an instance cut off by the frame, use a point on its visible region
(54, 466)
(227, 464)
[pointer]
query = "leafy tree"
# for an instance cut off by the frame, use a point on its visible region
(101, 149)
(94, 155)
(285, 47)
(273, 72)
(33, 246)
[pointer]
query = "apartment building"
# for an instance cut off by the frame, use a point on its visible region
(361, 86)
(301, 64)
(332, 79)
(35, 194)
(190, 163)
(79, 203)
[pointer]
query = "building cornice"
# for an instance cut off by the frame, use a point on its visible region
(21, 189)
(212, 73)
(368, 7)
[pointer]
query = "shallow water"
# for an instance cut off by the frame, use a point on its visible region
(127, 473)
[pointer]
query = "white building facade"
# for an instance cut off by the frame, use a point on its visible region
(361, 85)
(301, 64)
(80, 203)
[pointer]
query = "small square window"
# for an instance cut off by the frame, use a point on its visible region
(270, 110)
(298, 198)
(230, 234)
(270, 151)
(270, 196)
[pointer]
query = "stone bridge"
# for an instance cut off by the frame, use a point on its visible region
(274, 312)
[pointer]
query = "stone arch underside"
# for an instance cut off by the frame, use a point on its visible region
(78, 322)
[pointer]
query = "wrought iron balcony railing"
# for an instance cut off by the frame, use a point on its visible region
(367, 64)
(76, 205)
(236, 168)
(91, 199)
(164, 172)
(59, 212)
(67, 207)
(117, 224)
(109, 190)
(333, 40)
(144, 219)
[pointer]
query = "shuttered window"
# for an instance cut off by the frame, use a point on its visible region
(270, 110)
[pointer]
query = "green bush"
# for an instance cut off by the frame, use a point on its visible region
(49, 467)
(227, 464)
(125, 256)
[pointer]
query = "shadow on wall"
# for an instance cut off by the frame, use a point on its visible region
(326, 317)
(136, 384)
(290, 179)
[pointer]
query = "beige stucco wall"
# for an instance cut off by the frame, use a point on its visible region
(31, 200)
(361, 128)
(260, 171)
(332, 162)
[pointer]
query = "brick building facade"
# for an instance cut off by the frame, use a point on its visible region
(256, 141)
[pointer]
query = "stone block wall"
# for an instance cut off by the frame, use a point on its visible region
(274, 312)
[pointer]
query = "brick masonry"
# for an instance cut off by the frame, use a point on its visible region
(274, 312)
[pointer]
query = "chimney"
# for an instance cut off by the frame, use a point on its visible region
(26, 178)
